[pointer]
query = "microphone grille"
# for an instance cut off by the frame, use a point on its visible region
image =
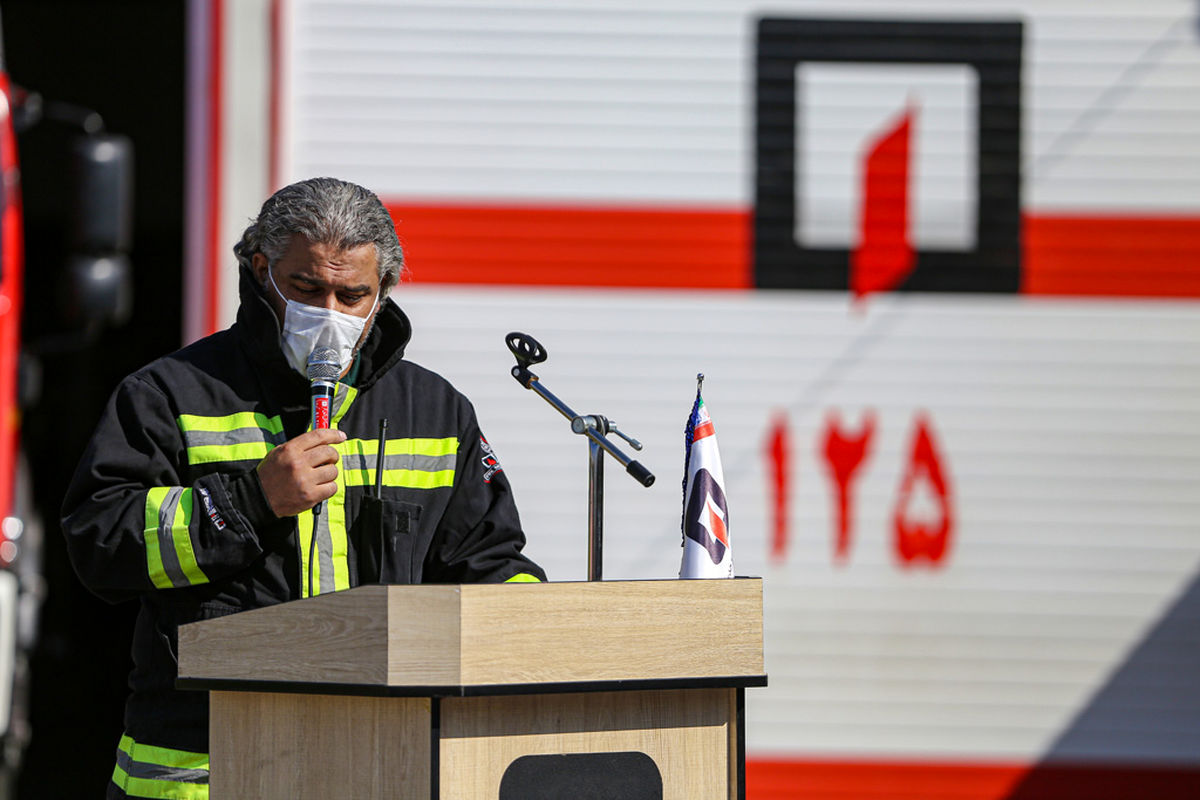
(323, 364)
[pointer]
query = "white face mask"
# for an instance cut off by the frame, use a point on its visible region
(307, 327)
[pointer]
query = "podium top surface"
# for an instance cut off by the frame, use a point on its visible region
(484, 638)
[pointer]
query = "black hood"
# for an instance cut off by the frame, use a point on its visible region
(260, 332)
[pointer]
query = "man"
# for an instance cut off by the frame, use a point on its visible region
(204, 493)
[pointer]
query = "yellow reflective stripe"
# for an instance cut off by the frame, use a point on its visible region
(243, 436)
(166, 756)
(180, 567)
(210, 453)
(153, 758)
(446, 446)
(523, 577)
(344, 398)
(154, 562)
(160, 790)
(407, 478)
(368, 449)
(335, 507)
(305, 525)
(181, 534)
(230, 422)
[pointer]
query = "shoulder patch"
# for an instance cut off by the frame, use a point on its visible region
(490, 463)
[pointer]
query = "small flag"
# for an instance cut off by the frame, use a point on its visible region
(706, 550)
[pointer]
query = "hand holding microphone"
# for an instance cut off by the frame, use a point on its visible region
(302, 473)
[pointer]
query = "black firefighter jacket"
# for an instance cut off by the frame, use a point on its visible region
(166, 506)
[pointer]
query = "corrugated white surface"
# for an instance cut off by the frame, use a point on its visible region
(589, 100)
(1070, 431)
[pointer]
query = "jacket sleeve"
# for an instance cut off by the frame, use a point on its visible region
(133, 525)
(479, 538)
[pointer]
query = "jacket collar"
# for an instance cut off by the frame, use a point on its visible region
(260, 334)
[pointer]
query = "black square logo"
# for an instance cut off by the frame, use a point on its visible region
(888, 155)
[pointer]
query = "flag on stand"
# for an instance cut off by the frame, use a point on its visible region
(706, 550)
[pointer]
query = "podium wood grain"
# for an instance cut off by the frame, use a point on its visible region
(489, 634)
(688, 734)
(316, 747)
(345, 695)
(622, 630)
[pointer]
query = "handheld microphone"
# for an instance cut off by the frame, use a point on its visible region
(323, 371)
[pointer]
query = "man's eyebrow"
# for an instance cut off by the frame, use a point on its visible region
(303, 278)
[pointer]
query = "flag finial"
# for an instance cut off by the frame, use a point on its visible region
(699, 382)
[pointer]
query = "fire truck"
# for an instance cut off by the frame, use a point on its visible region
(94, 285)
(940, 264)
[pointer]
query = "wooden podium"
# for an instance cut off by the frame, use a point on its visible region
(630, 689)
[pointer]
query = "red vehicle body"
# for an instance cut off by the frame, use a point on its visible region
(11, 267)
(20, 588)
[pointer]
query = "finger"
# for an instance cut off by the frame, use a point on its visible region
(321, 436)
(317, 493)
(325, 475)
(326, 490)
(320, 456)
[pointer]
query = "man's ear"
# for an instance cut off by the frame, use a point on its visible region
(260, 265)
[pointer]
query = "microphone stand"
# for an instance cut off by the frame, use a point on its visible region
(593, 426)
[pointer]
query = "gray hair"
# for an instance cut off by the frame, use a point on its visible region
(324, 211)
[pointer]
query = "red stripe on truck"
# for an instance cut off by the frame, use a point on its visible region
(1112, 256)
(711, 248)
(576, 246)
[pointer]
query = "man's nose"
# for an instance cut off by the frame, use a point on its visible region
(328, 301)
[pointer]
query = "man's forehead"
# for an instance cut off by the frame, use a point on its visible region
(324, 263)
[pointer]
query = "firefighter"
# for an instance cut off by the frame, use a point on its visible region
(197, 493)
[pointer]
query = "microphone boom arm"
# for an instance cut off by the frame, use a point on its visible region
(592, 426)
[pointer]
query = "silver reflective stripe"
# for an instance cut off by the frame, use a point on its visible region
(159, 772)
(166, 537)
(364, 461)
(324, 550)
(238, 436)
